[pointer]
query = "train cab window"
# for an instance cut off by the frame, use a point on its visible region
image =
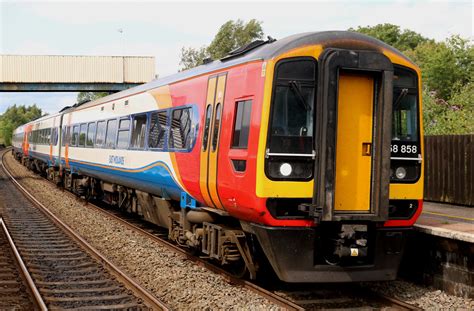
(242, 124)
(111, 132)
(82, 135)
(291, 129)
(100, 134)
(123, 134)
(158, 129)
(180, 132)
(207, 126)
(139, 131)
(90, 134)
(75, 135)
(405, 106)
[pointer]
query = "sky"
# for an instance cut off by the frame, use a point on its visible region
(161, 29)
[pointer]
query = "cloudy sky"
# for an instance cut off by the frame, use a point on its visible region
(160, 29)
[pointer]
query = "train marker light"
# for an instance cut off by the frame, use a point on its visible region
(401, 172)
(286, 169)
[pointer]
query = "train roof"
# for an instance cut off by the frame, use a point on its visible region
(271, 49)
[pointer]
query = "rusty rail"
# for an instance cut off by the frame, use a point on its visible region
(38, 300)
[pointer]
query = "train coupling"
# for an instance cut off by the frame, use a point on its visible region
(314, 211)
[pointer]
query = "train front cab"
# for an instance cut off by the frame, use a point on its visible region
(341, 193)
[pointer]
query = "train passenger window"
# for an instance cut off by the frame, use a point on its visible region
(242, 124)
(52, 139)
(180, 133)
(90, 134)
(158, 129)
(207, 126)
(82, 135)
(217, 124)
(100, 134)
(111, 132)
(75, 135)
(139, 131)
(123, 134)
(47, 136)
(66, 136)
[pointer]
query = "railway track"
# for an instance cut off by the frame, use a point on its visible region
(17, 288)
(296, 297)
(68, 272)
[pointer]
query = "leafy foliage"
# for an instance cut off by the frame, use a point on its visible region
(441, 117)
(446, 66)
(90, 96)
(402, 40)
(231, 35)
(15, 116)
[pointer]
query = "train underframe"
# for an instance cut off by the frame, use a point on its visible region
(330, 252)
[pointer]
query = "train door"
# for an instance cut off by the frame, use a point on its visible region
(354, 142)
(210, 141)
(354, 122)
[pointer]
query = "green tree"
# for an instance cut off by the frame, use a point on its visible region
(15, 116)
(402, 40)
(231, 35)
(441, 117)
(446, 66)
(90, 96)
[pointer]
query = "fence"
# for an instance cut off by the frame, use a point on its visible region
(449, 169)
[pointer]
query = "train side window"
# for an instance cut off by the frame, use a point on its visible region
(75, 135)
(82, 135)
(217, 125)
(123, 134)
(207, 126)
(158, 129)
(139, 131)
(180, 132)
(49, 136)
(52, 139)
(90, 134)
(242, 124)
(100, 134)
(111, 132)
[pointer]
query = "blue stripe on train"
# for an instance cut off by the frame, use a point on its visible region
(154, 178)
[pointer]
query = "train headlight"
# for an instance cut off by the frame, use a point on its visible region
(401, 172)
(286, 169)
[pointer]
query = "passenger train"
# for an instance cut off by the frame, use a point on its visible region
(302, 154)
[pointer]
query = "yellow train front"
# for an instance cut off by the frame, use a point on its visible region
(341, 169)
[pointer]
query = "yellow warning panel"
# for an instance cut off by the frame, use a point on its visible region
(354, 142)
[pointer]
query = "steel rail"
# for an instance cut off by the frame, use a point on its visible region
(38, 300)
(131, 284)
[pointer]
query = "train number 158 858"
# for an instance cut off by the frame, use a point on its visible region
(403, 148)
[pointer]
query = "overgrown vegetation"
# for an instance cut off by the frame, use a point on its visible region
(231, 35)
(15, 116)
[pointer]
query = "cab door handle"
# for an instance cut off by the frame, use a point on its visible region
(366, 149)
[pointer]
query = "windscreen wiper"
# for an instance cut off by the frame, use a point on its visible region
(295, 87)
(402, 95)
